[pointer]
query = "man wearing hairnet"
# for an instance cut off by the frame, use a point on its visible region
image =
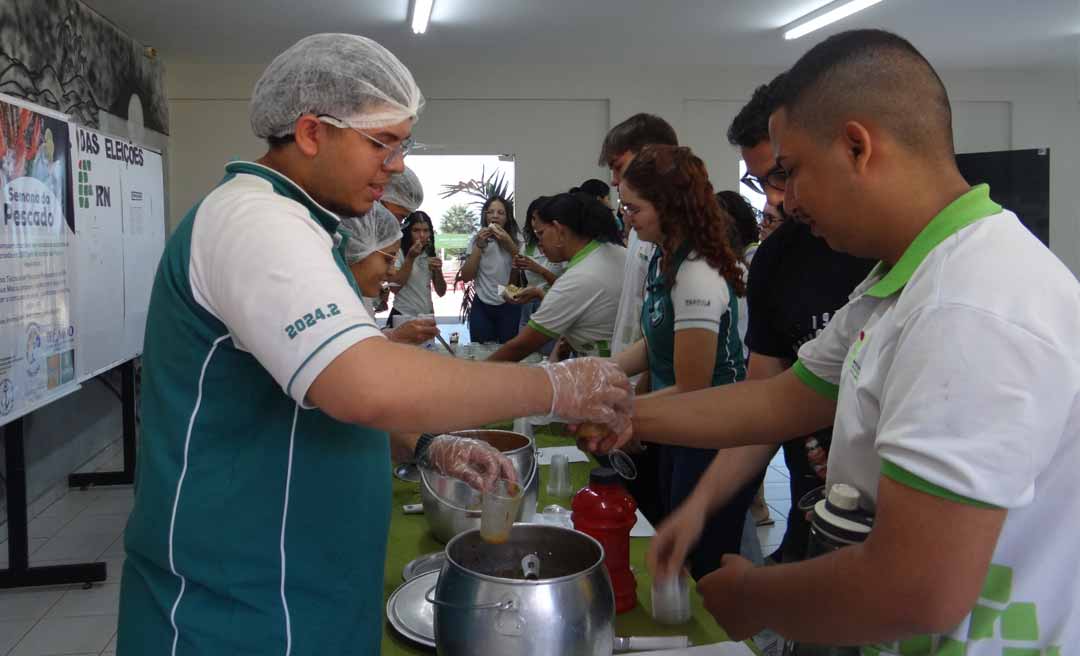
(263, 498)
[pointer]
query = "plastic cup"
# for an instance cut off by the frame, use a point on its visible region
(499, 508)
(430, 344)
(399, 320)
(671, 600)
(558, 481)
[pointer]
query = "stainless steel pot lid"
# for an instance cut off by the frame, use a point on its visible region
(431, 562)
(410, 613)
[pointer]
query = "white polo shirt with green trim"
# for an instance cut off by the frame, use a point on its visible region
(957, 373)
(582, 304)
(260, 523)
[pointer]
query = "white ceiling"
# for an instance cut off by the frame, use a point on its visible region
(954, 34)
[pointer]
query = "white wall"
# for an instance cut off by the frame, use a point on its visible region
(543, 135)
(552, 117)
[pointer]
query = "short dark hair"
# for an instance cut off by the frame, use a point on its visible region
(870, 74)
(584, 215)
(745, 229)
(595, 187)
(635, 133)
(751, 125)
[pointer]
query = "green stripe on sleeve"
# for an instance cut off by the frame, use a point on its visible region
(550, 334)
(815, 382)
(906, 478)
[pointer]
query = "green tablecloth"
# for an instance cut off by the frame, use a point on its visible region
(409, 538)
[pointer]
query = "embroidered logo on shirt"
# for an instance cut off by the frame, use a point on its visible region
(698, 302)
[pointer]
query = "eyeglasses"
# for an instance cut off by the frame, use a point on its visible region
(628, 210)
(775, 179)
(391, 259)
(401, 150)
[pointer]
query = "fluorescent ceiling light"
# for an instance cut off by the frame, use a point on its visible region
(421, 14)
(825, 16)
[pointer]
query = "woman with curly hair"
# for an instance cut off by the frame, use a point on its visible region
(689, 319)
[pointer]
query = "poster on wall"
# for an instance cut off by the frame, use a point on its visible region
(144, 241)
(96, 253)
(119, 238)
(37, 330)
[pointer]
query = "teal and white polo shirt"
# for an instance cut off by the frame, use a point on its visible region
(701, 298)
(957, 373)
(582, 303)
(260, 523)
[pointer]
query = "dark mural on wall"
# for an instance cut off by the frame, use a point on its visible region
(60, 54)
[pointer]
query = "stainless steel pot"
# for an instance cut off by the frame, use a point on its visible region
(485, 605)
(452, 507)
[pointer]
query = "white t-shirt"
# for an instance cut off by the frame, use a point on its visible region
(582, 304)
(700, 296)
(962, 381)
(535, 279)
(414, 297)
(294, 323)
(632, 295)
(495, 266)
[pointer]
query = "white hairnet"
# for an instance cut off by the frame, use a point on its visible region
(404, 189)
(375, 231)
(349, 77)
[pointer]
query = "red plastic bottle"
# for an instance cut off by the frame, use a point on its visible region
(606, 511)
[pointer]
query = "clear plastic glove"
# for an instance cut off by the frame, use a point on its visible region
(594, 391)
(674, 539)
(477, 463)
(414, 332)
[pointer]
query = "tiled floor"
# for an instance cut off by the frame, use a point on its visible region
(88, 526)
(778, 498)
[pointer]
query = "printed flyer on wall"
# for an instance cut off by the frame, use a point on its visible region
(37, 331)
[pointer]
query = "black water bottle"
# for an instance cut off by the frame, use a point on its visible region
(837, 521)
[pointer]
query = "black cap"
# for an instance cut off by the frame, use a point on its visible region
(605, 476)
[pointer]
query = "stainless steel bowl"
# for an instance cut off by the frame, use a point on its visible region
(485, 605)
(452, 507)
(519, 448)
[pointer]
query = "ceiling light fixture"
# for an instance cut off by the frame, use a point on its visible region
(826, 15)
(421, 14)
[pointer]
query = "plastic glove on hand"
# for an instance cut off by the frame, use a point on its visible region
(593, 391)
(477, 463)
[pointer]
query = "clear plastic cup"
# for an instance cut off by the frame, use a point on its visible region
(499, 508)
(430, 344)
(399, 320)
(671, 600)
(558, 479)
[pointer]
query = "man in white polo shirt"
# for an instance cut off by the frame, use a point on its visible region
(951, 379)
